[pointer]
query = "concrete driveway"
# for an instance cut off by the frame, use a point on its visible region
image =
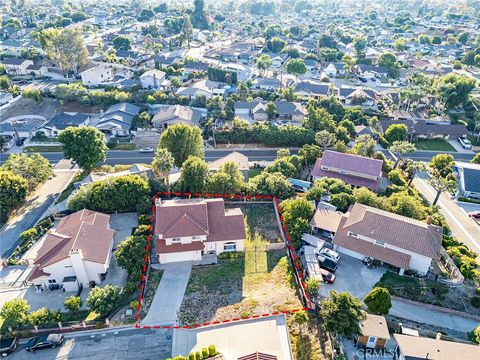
(353, 276)
(168, 298)
(106, 345)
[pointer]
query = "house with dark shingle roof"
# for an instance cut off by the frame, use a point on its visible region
(187, 229)
(353, 169)
(77, 252)
(468, 176)
(312, 90)
(393, 239)
(63, 120)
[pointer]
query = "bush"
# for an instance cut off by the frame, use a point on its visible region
(440, 291)
(205, 353)
(191, 356)
(475, 301)
(134, 304)
(212, 351)
(72, 303)
(198, 356)
(142, 230)
(231, 255)
(144, 219)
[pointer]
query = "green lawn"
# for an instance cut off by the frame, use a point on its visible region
(434, 145)
(43, 149)
(252, 172)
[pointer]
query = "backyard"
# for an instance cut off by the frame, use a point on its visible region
(434, 145)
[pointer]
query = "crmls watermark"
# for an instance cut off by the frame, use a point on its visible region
(373, 353)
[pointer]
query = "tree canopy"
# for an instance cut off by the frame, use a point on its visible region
(13, 191)
(34, 168)
(194, 177)
(342, 313)
(103, 300)
(85, 145)
(378, 301)
(182, 141)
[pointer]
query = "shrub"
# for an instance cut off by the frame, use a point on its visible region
(212, 351)
(231, 255)
(144, 220)
(142, 230)
(134, 304)
(198, 356)
(41, 316)
(191, 356)
(475, 301)
(440, 291)
(378, 301)
(205, 353)
(72, 303)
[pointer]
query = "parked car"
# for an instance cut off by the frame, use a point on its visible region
(46, 341)
(328, 254)
(474, 215)
(327, 276)
(465, 143)
(328, 264)
(8, 345)
(20, 141)
(147, 149)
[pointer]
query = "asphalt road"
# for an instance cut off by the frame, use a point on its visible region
(142, 344)
(133, 156)
(463, 228)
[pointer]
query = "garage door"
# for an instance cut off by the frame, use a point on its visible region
(351, 253)
(180, 256)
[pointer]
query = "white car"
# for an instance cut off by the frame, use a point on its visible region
(465, 143)
(146, 150)
(328, 254)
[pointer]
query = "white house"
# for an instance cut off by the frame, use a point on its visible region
(97, 75)
(154, 79)
(396, 240)
(187, 229)
(77, 252)
(16, 66)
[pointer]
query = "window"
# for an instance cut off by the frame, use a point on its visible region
(352, 234)
(176, 240)
(52, 281)
(343, 172)
(195, 237)
(229, 246)
(68, 266)
(380, 243)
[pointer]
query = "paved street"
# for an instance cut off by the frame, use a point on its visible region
(168, 298)
(463, 228)
(35, 206)
(141, 344)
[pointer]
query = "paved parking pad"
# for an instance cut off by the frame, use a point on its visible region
(142, 344)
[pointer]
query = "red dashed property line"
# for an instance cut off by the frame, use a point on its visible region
(148, 248)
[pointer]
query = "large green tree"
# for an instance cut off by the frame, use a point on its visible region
(442, 164)
(194, 177)
(34, 168)
(274, 184)
(342, 313)
(85, 145)
(199, 17)
(14, 312)
(103, 300)
(310, 153)
(396, 132)
(227, 180)
(121, 43)
(454, 89)
(296, 67)
(401, 149)
(182, 141)
(378, 301)
(130, 255)
(13, 190)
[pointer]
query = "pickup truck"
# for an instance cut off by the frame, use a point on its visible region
(8, 345)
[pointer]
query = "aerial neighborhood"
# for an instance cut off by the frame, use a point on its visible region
(240, 180)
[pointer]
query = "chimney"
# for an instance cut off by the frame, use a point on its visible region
(158, 201)
(429, 220)
(438, 336)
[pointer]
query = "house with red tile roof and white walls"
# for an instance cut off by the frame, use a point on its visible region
(353, 169)
(77, 252)
(187, 229)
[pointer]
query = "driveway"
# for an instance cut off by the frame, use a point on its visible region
(168, 298)
(35, 207)
(353, 276)
(458, 147)
(106, 345)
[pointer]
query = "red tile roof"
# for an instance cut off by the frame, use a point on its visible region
(393, 229)
(85, 230)
(197, 217)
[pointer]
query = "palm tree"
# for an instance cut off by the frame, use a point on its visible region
(162, 164)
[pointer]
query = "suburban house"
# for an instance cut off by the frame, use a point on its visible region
(76, 253)
(118, 119)
(353, 169)
(24, 128)
(396, 240)
(370, 71)
(63, 120)
(267, 84)
(187, 229)
(235, 157)
(175, 114)
(154, 79)
(424, 130)
(312, 90)
(257, 110)
(373, 332)
(192, 67)
(97, 75)
(37, 69)
(468, 176)
(205, 87)
(16, 66)
(334, 69)
(357, 96)
(417, 347)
